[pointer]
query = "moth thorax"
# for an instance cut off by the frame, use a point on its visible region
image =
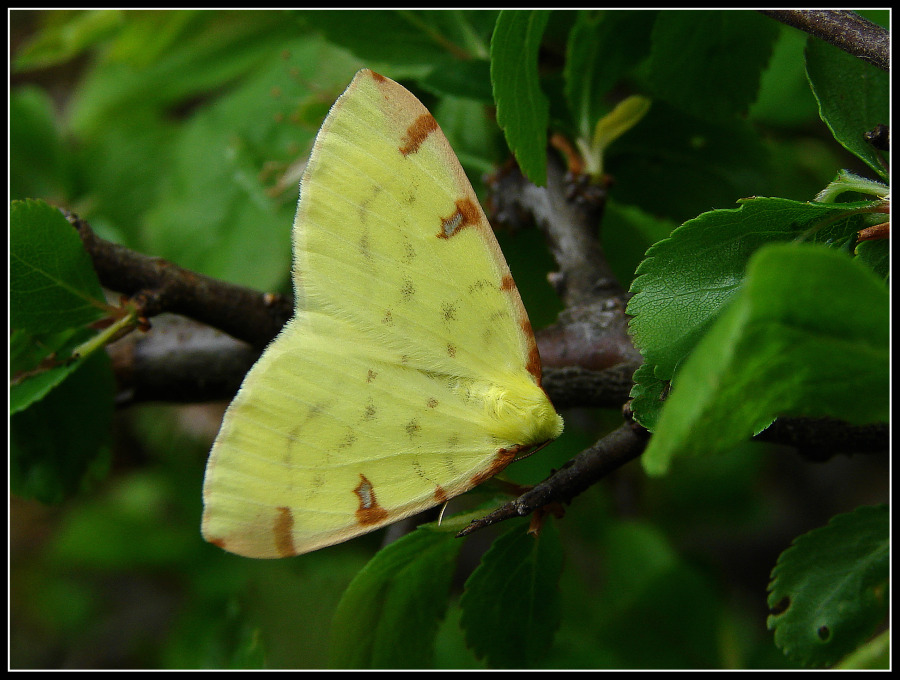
(521, 412)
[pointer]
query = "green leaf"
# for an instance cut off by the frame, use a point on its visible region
(688, 278)
(874, 654)
(602, 47)
(65, 36)
(523, 112)
(38, 162)
(54, 297)
(807, 335)
(60, 445)
(38, 363)
(212, 50)
(467, 79)
(626, 114)
(709, 63)
(648, 396)
(389, 614)
(853, 98)
(511, 606)
(677, 165)
(649, 589)
(53, 285)
(408, 39)
(876, 255)
(216, 635)
(847, 182)
(149, 37)
(785, 99)
(628, 231)
(829, 590)
(138, 504)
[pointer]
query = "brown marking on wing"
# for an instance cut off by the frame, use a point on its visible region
(534, 363)
(448, 311)
(408, 290)
(377, 76)
(525, 325)
(370, 411)
(417, 133)
(220, 542)
(466, 214)
(432, 402)
(503, 458)
(440, 496)
(283, 530)
(369, 512)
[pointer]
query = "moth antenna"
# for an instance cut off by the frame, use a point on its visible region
(441, 513)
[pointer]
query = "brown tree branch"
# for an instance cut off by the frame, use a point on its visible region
(592, 330)
(185, 361)
(819, 439)
(843, 29)
(574, 386)
(619, 447)
(179, 360)
(158, 286)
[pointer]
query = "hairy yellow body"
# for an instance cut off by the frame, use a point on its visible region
(409, 372)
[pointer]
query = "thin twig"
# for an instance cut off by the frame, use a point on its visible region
(158, 286)
(819, 439)
(619, 447)
(845, 30)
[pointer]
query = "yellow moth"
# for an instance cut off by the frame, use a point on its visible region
(409, 372)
